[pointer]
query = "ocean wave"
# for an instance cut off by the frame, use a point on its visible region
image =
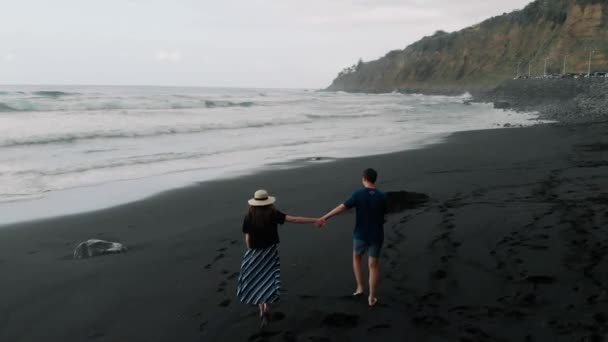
(161, 131)
(47, 104)
(337, 116)
(53, 93)
(214, 104)
(6, 108)
(148, 159)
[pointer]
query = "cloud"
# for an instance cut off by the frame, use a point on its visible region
(9, 57)
(377, 16)
(409, 14)
(174, 56)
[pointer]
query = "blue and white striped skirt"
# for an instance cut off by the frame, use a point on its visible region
(260, 277)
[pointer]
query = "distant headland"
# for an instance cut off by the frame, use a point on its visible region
(547, 37)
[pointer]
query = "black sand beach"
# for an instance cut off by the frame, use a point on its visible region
(511, 247)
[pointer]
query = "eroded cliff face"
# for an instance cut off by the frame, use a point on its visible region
(481, 56)
(584, 21)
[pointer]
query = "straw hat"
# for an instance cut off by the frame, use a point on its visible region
(261, 198)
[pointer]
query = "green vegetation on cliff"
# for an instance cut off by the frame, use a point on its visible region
(481, 56)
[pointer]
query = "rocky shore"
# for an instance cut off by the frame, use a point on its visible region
(564, 100)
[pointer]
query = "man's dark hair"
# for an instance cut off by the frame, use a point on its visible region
(370, 175)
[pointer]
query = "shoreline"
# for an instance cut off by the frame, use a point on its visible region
(484, 259)
(123, 187)
(65, 172)
(74, 201)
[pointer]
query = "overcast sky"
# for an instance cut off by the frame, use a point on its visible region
(230, 43)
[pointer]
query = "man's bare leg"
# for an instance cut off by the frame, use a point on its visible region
(358, 273)
(374, 275)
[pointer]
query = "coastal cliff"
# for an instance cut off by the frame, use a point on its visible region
(480, 57)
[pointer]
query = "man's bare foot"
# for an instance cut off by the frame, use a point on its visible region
(372, 301)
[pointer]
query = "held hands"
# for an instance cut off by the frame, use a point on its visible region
(320, 222)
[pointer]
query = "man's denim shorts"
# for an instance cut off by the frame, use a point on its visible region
(371, 248)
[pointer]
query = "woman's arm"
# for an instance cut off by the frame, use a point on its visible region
(247, 240)
(300, 219)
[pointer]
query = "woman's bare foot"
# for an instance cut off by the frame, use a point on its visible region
(264, 315)
(264, 322)
(372, 301)
(358, 292)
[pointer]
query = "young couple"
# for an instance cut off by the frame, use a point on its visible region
(260, 282)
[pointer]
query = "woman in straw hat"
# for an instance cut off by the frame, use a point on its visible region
(260, 278)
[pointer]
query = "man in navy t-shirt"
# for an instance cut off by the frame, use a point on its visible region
(371, 206)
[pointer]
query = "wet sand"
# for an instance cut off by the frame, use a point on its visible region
(511, 246)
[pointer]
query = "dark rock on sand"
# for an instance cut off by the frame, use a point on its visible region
(92, 248)
(402, 200)
(502, 105)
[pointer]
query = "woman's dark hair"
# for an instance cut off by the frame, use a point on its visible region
(370, 175)
(261, 216)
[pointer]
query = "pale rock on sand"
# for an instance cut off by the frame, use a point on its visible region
(93, 247)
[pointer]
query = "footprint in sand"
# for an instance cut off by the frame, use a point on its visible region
(277, 316)
(319, 339)
(340, 320)
(201, 327)
(224, 303)
(541, 279)
(378, 327)
(431, 296)
(96, 334)
(263, 335)
(440, 274)
(430, 320)
(289, 336)
(307, 296)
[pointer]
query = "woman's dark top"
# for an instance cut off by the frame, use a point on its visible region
(263, 237)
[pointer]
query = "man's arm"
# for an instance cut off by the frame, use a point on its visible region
(336, 211)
